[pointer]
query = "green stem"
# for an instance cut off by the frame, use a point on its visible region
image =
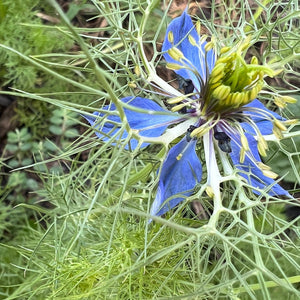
(256, 15)
(139, 176)
(100, 74)
(268, 284)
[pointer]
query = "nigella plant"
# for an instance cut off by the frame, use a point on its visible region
(217, 104)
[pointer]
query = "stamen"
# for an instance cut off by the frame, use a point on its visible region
(192, 40)
(282, 101)
(200, 131)
(175, 53)
(179, 156)
(279, 125)
(198, 27)
(291, 122)
(179, 107)
(277, 132)
(270, 174)
(189, 131)
(262, 145)
(171, 37)
(176, 99)
(242, 155)
(174, 67)
(264, 167)
(208, 46)
(209, 191)
(244, 142)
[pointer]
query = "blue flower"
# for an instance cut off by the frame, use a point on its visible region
(217, 100)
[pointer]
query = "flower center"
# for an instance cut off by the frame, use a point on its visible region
(232, 82)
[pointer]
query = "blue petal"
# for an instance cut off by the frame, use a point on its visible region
(181, 28)
(136, 120)
(265, 126)
(255, 177)
(177, 177)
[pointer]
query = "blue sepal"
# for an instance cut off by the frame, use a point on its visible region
(182, 27)
(137, 120)
(177, 178)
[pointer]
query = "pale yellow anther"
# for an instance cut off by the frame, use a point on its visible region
(262, 166)
(261, 149)
(175, 53)
(217, 70)
(224, 50)
(199, 131)
(242, 155)
(192, 40)
(261, 140)
(236, 99)
(221, 92)
(171, 37)
(277, 132)
(203, 38)
(209, 191)
(173, 66)
(176, 100)
(198, 27)
(208, 46)
(179, 156)
(291, 122)
(286, 99)
(279, 125)
(279, 102)
(289, 99)
(178, 107)
(282, 101)
(244, 142)
(270, 174)
(255, 90)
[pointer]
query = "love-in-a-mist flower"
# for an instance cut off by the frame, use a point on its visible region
(216, 104)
